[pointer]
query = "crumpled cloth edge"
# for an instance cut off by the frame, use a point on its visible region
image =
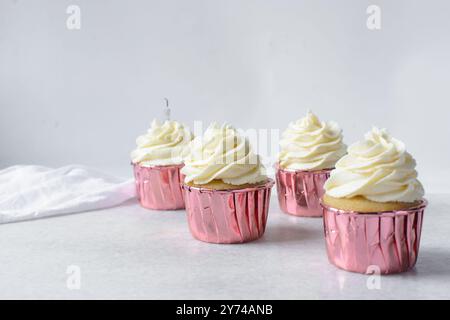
(118, 192)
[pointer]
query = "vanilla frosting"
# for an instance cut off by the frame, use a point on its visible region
(378, 168)
(310, 144)
(222, 154)
(163, 144)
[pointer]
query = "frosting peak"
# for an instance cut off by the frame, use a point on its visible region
(222, 154)
(309, 144)
(163, 144)
(378, 168)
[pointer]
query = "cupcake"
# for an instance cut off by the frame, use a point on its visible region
(226, 189)
(157, 161)
(309, 150)
(373, 207)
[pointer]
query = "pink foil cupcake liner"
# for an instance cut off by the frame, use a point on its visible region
(363, 242)
(227, 216)
(299, 192)
(159, 187)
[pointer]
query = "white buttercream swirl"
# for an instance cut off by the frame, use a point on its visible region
(163, 144)
(309, 144)
(222, 154)
(378, 168)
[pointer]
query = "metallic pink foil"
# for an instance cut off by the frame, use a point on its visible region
(159, 187)
(227, 216)
(387, 242)
(299, 192)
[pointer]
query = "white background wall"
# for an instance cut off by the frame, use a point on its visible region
(83, 96)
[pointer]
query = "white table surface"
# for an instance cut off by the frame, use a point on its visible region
(132, 253)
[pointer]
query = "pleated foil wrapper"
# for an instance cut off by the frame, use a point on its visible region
(385, 242)
(227, 216)
(299, 192)
(159, 187)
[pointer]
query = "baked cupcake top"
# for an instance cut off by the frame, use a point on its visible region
(222, 154)
(378, 169)
(163, 144)
(310, 144)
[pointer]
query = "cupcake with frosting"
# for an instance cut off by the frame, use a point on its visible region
(157, 161)
(373, 206)
(377, 174)
(226, 189)
(309, 150)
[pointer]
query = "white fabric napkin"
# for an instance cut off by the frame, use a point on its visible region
(31, 192)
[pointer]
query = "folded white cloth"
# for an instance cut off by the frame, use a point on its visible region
(31, 192)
